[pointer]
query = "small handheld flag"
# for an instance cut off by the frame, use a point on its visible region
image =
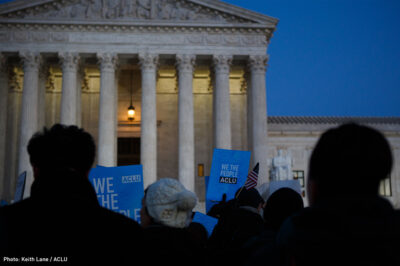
(252, 178)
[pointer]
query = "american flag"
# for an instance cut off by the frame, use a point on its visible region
(252, 178)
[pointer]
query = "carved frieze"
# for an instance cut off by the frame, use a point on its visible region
(195, 39)
(175, 10)
(33, 36)
(138, 35)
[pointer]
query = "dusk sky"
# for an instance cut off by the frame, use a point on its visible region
(332, 57)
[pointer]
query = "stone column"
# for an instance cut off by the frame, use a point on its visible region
(221, 102)
(29, 112)
(258, 115)
(185, 65)
(148, 140)
(43, 75)
(107, 115)
(69, 97)
(3, 120)
(15, 84)
(80, 78)
(116, 82)
(249, 113)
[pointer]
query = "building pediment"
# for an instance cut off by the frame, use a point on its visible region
(179, 12)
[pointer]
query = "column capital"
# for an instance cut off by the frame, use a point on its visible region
(222, 62)
(257, 63)
(69, 61)
(185, 62)
(148, 61)
(107, 61)
(31, 60)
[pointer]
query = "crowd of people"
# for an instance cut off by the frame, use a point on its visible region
(347, 222)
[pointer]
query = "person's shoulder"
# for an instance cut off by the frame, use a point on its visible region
(396, 218)
(13, 219)
(113, 216)
(245, 215)
(300, 223)
(17, 208)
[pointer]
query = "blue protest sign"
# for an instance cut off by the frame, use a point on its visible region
(119, 188)
(207, 221)
(229, 169)
(206, 179)
(20, 188)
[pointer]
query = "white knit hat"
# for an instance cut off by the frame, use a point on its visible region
(169, 203)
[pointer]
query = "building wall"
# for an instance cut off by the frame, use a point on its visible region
(301, 143)
(296, 139)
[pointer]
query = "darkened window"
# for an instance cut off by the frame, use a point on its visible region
(128, 151)
(385, 187)
(299, 175)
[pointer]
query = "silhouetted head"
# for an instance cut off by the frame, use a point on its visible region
(348, 160)
(61, 149)
(280, 205)
(199, 233)
(249, 198)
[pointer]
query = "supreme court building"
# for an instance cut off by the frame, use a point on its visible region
(187, 65)
(191, 72)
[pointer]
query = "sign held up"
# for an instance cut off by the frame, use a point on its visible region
(119, 189)
(229, 169)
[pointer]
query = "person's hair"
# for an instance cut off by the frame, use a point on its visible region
(62, 148)
(350, 159)
(280, 205)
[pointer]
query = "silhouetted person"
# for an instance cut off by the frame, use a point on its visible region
(280, 205)
(199, 233)
(166, 214)
(62, 217)
(347, 223)
(236, 227)
(221, 207)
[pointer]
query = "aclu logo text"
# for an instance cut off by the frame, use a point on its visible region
(228, 180)
(131, 179)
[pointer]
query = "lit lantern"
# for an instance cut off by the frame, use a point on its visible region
(131, 109)
(131, 113)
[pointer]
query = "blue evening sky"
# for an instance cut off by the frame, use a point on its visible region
(332, 57)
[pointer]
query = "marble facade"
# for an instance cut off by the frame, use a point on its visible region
(298, 135)
(192, 62)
